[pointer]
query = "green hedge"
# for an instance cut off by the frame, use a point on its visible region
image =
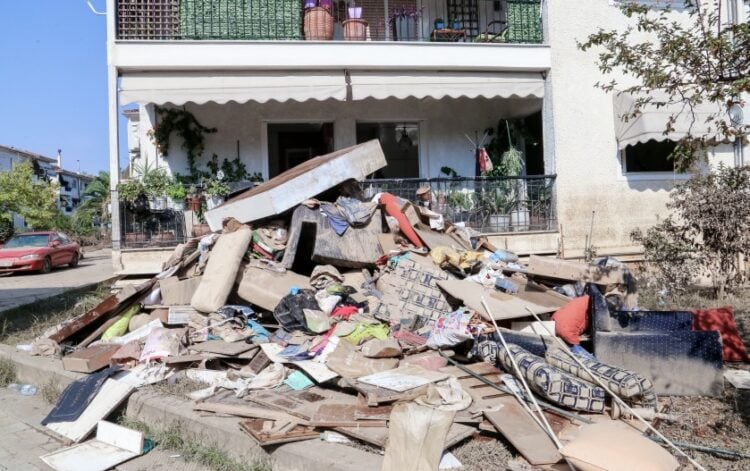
(241, 19)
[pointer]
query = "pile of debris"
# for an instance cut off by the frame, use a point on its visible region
(378, 320)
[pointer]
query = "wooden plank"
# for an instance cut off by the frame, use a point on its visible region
(288, 434)
(376, 396)
(504, 306)
(570, 270)
(342, 415)
(95, 335)
(223, 348)
(304, 404)
(379, 435)
(111, 395)
(523, 433)
(247, 411)
(89, 359)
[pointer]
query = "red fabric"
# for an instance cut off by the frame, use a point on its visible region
(344, 312)
(393, 208)
(722, 319)
(485, 164)
(572, 320)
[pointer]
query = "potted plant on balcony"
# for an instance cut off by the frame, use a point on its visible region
(215, 191)
(318, 22)
(177, 193)
(355, 28)
(499, 202)
(132, 191)
(439, 23)
(456, 24)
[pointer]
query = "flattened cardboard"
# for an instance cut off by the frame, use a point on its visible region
(222, 348)
(504, 306)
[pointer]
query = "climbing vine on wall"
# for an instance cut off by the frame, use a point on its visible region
(184, 123)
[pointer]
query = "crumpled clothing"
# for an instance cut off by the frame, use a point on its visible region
(271, 377)
(446, 395)
(162, 343)
(338, 222)
(357, 213)
(289, 312)
(344, 312)
(486, 277)
(324, 275)
(450, 329)
(260, 334)
(462, 260)
(326, 301)
(45, 347)
(366, 332)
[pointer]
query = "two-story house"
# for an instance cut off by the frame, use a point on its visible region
(71, 184)
(284, 80)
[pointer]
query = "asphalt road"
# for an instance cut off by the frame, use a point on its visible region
(19, 289)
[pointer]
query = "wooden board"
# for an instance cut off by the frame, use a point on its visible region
(437, 239)
(504, 306)
(375, 396)
(90, 359)
(247, 410)
(379, 435)
(356, 248)
(111, 395)
(296, 433)
(570, 270)
(303, 404)
(342, 415)
(523, 432)
(222, 348)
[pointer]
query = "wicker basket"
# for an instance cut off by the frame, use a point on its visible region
(355, 30)
(318, 24)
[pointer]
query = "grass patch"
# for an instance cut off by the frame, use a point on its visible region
(192, 449)
(51, 391)
(24, 323)
(7, 372)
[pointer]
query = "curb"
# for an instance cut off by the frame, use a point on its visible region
(160, 411)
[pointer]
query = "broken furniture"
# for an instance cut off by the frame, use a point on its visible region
(661, 345)
(357, 248)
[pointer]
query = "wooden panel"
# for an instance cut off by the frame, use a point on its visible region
(223, 348)
(523, 432)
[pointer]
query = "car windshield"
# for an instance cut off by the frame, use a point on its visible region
(35, 240)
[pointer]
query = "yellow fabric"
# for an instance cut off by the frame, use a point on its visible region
(366, 332)
(120, 327)
(461, 259)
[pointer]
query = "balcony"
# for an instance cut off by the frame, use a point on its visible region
(486, 204)
(463, 21)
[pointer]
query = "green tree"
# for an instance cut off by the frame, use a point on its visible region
(96, 199)
(23, 193)
(666, 62)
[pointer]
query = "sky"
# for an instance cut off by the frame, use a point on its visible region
(53, 80)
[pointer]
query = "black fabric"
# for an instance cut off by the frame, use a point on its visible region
(77, 397)
(289, 312)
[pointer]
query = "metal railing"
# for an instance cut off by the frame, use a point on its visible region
(144, 227)
(487, 21)
(487, 204)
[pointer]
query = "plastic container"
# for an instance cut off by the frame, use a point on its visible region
(23, 389)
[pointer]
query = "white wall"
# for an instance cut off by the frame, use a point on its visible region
(443, 124)
(586, 158)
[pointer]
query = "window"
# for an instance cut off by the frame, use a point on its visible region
(651, 156)
(290, 144)
(400, 143)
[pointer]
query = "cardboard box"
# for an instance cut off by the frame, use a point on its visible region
(176, 292)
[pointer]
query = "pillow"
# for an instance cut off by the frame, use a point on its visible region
(572, 320)
(221, 270)
(722, 319)
(614, 446)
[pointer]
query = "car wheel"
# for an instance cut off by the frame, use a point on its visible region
(46, 265)
(74, 262)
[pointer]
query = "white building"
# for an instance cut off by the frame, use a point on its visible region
(276, 99)
(71, 184)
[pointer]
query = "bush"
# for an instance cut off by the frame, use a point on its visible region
(6, 228)
(708, 233)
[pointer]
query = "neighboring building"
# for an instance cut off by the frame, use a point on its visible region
(71, 184)
(425, 92)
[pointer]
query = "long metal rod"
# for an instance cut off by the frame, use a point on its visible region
(615, 397)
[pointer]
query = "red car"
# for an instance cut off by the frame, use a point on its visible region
(38, 251)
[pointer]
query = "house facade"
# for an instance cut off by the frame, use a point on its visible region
(433, 80)
(71, 184)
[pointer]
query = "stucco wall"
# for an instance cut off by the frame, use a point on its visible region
(586, 158)
(443, 124)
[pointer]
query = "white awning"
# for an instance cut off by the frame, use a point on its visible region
(382, 85)
(652, 121)
(182, 87)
